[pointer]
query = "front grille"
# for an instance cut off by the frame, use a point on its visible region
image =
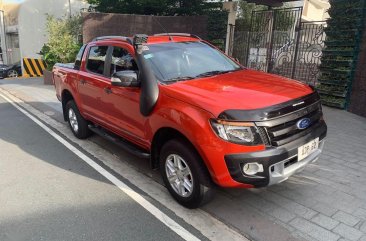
(263, 134)
(283, 130)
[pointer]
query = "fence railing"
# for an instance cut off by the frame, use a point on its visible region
(282, 45)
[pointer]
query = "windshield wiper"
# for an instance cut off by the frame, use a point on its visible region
(215, 72)
(180, 78)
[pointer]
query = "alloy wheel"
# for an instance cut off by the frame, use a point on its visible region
(179, 175)
(12, 74)
(73, 120)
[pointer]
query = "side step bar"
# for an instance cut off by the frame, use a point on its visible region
(124, 144)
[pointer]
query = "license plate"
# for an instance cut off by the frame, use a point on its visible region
(307, 149)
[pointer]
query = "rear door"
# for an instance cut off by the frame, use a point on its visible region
(92, 80)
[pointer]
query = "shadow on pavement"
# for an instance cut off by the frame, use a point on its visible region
(118, 220)
(19, 130)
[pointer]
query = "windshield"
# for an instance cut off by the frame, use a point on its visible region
(180, 61)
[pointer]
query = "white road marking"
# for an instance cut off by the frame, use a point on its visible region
(174, 226)
(208, 225)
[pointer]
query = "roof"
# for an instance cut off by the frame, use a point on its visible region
(165, 39)
(153, 39)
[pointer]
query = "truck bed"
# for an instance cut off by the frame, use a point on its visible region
(63, 75)
(67, 66)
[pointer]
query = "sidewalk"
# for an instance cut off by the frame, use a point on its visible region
(327, 201)
(32, 90)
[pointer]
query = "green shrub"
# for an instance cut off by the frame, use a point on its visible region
(63, 40)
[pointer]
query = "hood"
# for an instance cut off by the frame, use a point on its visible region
(240, 90)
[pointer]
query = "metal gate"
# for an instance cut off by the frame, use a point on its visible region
(279, 42)
(309, 52)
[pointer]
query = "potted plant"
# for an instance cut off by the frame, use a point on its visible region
(50, 59)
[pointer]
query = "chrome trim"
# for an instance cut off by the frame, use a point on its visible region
(281, 173)
(289, 117)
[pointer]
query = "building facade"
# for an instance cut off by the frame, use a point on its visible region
(24, 25)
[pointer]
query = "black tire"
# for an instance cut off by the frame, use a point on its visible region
(82, 131)
(203, 190)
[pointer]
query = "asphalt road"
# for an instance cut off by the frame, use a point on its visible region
(48, 193)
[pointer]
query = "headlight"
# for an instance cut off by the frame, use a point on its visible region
(245, 133)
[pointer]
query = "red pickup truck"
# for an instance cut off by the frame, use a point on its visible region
(194, 112)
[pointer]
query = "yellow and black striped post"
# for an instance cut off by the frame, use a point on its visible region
(33, 67)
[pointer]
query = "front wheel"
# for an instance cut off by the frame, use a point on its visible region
(77, 123)
(185, 175)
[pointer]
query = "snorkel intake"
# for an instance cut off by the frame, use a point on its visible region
(149, 85)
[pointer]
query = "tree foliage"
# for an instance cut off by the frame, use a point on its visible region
(217, 18)
(63, 40)
(217, 27)
(245, 10)
(244, 21)
(156, 7)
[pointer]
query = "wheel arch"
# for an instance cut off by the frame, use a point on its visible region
(66, 96)
(164, 135)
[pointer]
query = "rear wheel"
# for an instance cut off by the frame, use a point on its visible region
(185, 175)
(78, 125)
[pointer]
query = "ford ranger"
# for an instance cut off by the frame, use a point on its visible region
(193, 112)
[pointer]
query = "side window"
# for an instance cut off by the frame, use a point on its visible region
(122, 60)
(96, 59)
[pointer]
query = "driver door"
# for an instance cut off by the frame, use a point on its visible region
(123, 103)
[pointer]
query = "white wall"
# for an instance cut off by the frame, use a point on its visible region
(32, 22)
(315, 10)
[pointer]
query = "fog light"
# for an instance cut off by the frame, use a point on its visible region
(252, 168)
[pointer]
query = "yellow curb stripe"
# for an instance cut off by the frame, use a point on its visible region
(33, 67)
(29, 68)
(40, 61)
(38, 71)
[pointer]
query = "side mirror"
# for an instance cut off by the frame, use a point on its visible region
(126, 78)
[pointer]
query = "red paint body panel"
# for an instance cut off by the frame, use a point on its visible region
(244, 90)
(184, 106)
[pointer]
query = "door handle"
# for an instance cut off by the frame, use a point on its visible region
(82, 81)
(108, 90)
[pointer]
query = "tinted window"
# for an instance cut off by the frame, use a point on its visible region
(122, 60)
(96, 59)
(79, 57)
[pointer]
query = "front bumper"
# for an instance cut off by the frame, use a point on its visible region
(282, 170)
(278, 163)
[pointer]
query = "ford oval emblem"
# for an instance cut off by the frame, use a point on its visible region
(303, 123)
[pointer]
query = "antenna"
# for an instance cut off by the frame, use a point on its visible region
(170, 37)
